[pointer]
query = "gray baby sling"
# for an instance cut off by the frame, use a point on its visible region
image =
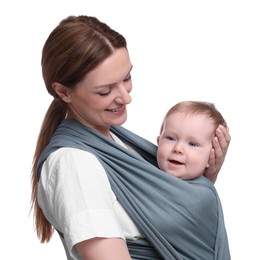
(180, 219)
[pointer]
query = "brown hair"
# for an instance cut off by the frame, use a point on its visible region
(197, 107)
(74, 48)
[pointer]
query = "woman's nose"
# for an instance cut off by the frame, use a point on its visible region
(123, 95)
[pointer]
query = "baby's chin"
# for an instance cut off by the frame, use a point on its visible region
(176, 174)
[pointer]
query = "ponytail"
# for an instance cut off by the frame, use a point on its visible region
(55, 115)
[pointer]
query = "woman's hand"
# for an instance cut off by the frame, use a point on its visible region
(220, 146)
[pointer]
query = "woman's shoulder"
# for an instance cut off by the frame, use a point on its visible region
(75, 153)
(69, 162)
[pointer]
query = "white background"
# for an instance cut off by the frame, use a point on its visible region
(200, 50)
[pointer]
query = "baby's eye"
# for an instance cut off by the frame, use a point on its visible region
(194, 144)
(170, 138)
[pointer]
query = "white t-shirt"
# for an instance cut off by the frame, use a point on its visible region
(76, 197)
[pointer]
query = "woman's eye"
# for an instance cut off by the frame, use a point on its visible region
(127, 78)
(105, 93)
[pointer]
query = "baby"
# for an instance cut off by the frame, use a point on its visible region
(185, 139)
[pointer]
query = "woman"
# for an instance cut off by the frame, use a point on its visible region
(95, 182)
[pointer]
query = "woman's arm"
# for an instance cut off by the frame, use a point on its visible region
(103, 249)
(220, 147)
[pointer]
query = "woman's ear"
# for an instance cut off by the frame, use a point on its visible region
(158, 139)
(62, 91)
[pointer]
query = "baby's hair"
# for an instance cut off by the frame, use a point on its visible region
(197, 107)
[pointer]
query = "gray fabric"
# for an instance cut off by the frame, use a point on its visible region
(180, 219)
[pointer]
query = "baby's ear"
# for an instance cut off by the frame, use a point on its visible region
(207, 165)
(158, 139)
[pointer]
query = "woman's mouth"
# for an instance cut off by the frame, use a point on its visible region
(116, 110)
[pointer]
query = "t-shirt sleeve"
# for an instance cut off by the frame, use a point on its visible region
(76, 196)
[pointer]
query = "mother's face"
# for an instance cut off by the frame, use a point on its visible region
(99, 100)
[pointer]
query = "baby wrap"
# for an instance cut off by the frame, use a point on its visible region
(180, 219)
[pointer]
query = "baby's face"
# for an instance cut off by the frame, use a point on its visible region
(184, 145)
